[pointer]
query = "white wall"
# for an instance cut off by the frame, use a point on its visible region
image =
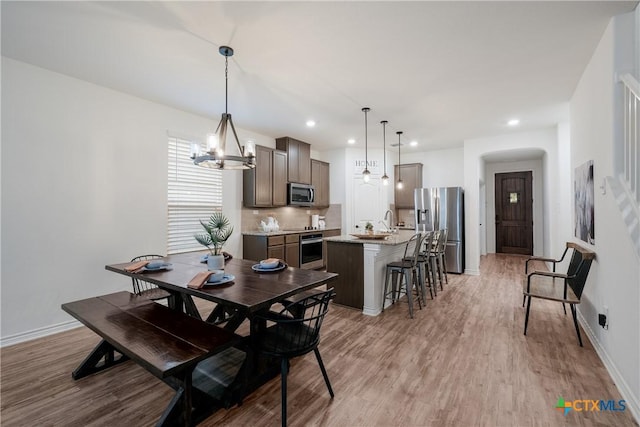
(614, 279)
(474, 174)
(441, 168)
(84, 178)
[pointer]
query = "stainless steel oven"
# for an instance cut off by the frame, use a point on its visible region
(311, 251)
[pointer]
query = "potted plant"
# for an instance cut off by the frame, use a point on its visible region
(216, 233)
(369, 228)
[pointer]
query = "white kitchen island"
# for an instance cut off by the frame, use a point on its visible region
(361, 265)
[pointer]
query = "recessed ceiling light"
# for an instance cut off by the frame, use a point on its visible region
(413, 143)
(311, 123)
(513, 122)
(351, 141)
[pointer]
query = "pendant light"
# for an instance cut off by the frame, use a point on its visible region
(400, 184)
(385, 177)
(216, 155)
(365, 173)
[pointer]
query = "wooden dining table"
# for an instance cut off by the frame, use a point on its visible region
(242, 369)
(248, 293)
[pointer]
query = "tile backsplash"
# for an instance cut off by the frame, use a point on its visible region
(290, 218)
(408, 216)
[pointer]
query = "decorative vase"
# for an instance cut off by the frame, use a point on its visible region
(215, 262)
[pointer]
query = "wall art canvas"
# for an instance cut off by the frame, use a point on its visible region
(584, 203)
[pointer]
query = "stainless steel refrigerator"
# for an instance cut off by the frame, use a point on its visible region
(440, 208)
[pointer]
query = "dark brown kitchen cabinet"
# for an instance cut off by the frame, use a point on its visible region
(411, 174)
(279, 178)
(320, 181)
(265, 185)
(298, 159)
(292, 250)
(285, 247)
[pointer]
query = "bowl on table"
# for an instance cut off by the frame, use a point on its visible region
(217, 276)
(270, 263)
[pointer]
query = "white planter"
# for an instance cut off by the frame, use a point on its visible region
(215, 262)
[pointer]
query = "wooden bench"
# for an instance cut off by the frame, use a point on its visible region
(562, 287)
(167, 343)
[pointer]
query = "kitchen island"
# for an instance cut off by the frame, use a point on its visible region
(360, 264)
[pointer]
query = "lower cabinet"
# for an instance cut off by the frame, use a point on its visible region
(292, 249)
(285, 247)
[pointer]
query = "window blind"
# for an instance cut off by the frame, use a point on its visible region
(194, 193)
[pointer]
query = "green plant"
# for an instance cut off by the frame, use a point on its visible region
(368, 226)
(217, 232)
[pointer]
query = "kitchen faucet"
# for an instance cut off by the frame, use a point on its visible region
(388, 213)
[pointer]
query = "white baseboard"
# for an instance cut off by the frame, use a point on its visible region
(39, 333)
(632, 401)
(472, 271)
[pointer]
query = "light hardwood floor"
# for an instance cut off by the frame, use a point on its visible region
(462, 361)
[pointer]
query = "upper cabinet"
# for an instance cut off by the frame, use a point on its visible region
(298, 159)
(411, 174)
(320, 181)
(279, 178)
(265, 185)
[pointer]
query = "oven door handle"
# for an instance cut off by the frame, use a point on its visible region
(307, 241)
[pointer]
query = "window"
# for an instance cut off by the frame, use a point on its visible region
(194, 193)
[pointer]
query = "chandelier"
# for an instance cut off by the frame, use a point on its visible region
(216, 155)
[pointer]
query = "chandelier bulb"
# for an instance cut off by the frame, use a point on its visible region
(366, 175)
(385, 180)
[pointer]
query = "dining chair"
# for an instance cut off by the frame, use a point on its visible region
(287, 337)
(148, 289)
(406, 268)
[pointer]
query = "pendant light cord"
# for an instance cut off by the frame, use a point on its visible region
(366, 149)
(226, 84)
(384, 145)
(399, 168)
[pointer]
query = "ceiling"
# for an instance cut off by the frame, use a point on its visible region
(442, 72)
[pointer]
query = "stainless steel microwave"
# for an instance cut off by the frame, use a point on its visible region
(300, 194)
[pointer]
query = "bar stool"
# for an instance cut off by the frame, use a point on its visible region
(428, 263)
(407, 268)
(437, 257)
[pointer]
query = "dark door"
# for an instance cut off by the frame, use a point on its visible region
(514, 213)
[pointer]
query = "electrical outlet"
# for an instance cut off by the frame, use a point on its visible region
(605, 310)
(602, 321)
(308, 212)
(256, 212)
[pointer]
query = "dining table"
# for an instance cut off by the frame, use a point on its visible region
(229, 376)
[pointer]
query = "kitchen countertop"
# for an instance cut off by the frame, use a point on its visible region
(282, 232)
(400, 238)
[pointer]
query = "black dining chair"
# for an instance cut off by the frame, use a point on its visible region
(286, 336)
(148, 289)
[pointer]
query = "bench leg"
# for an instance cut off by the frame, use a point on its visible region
(181, 405)
(526, 318)
(575, 322)
(94, 361)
